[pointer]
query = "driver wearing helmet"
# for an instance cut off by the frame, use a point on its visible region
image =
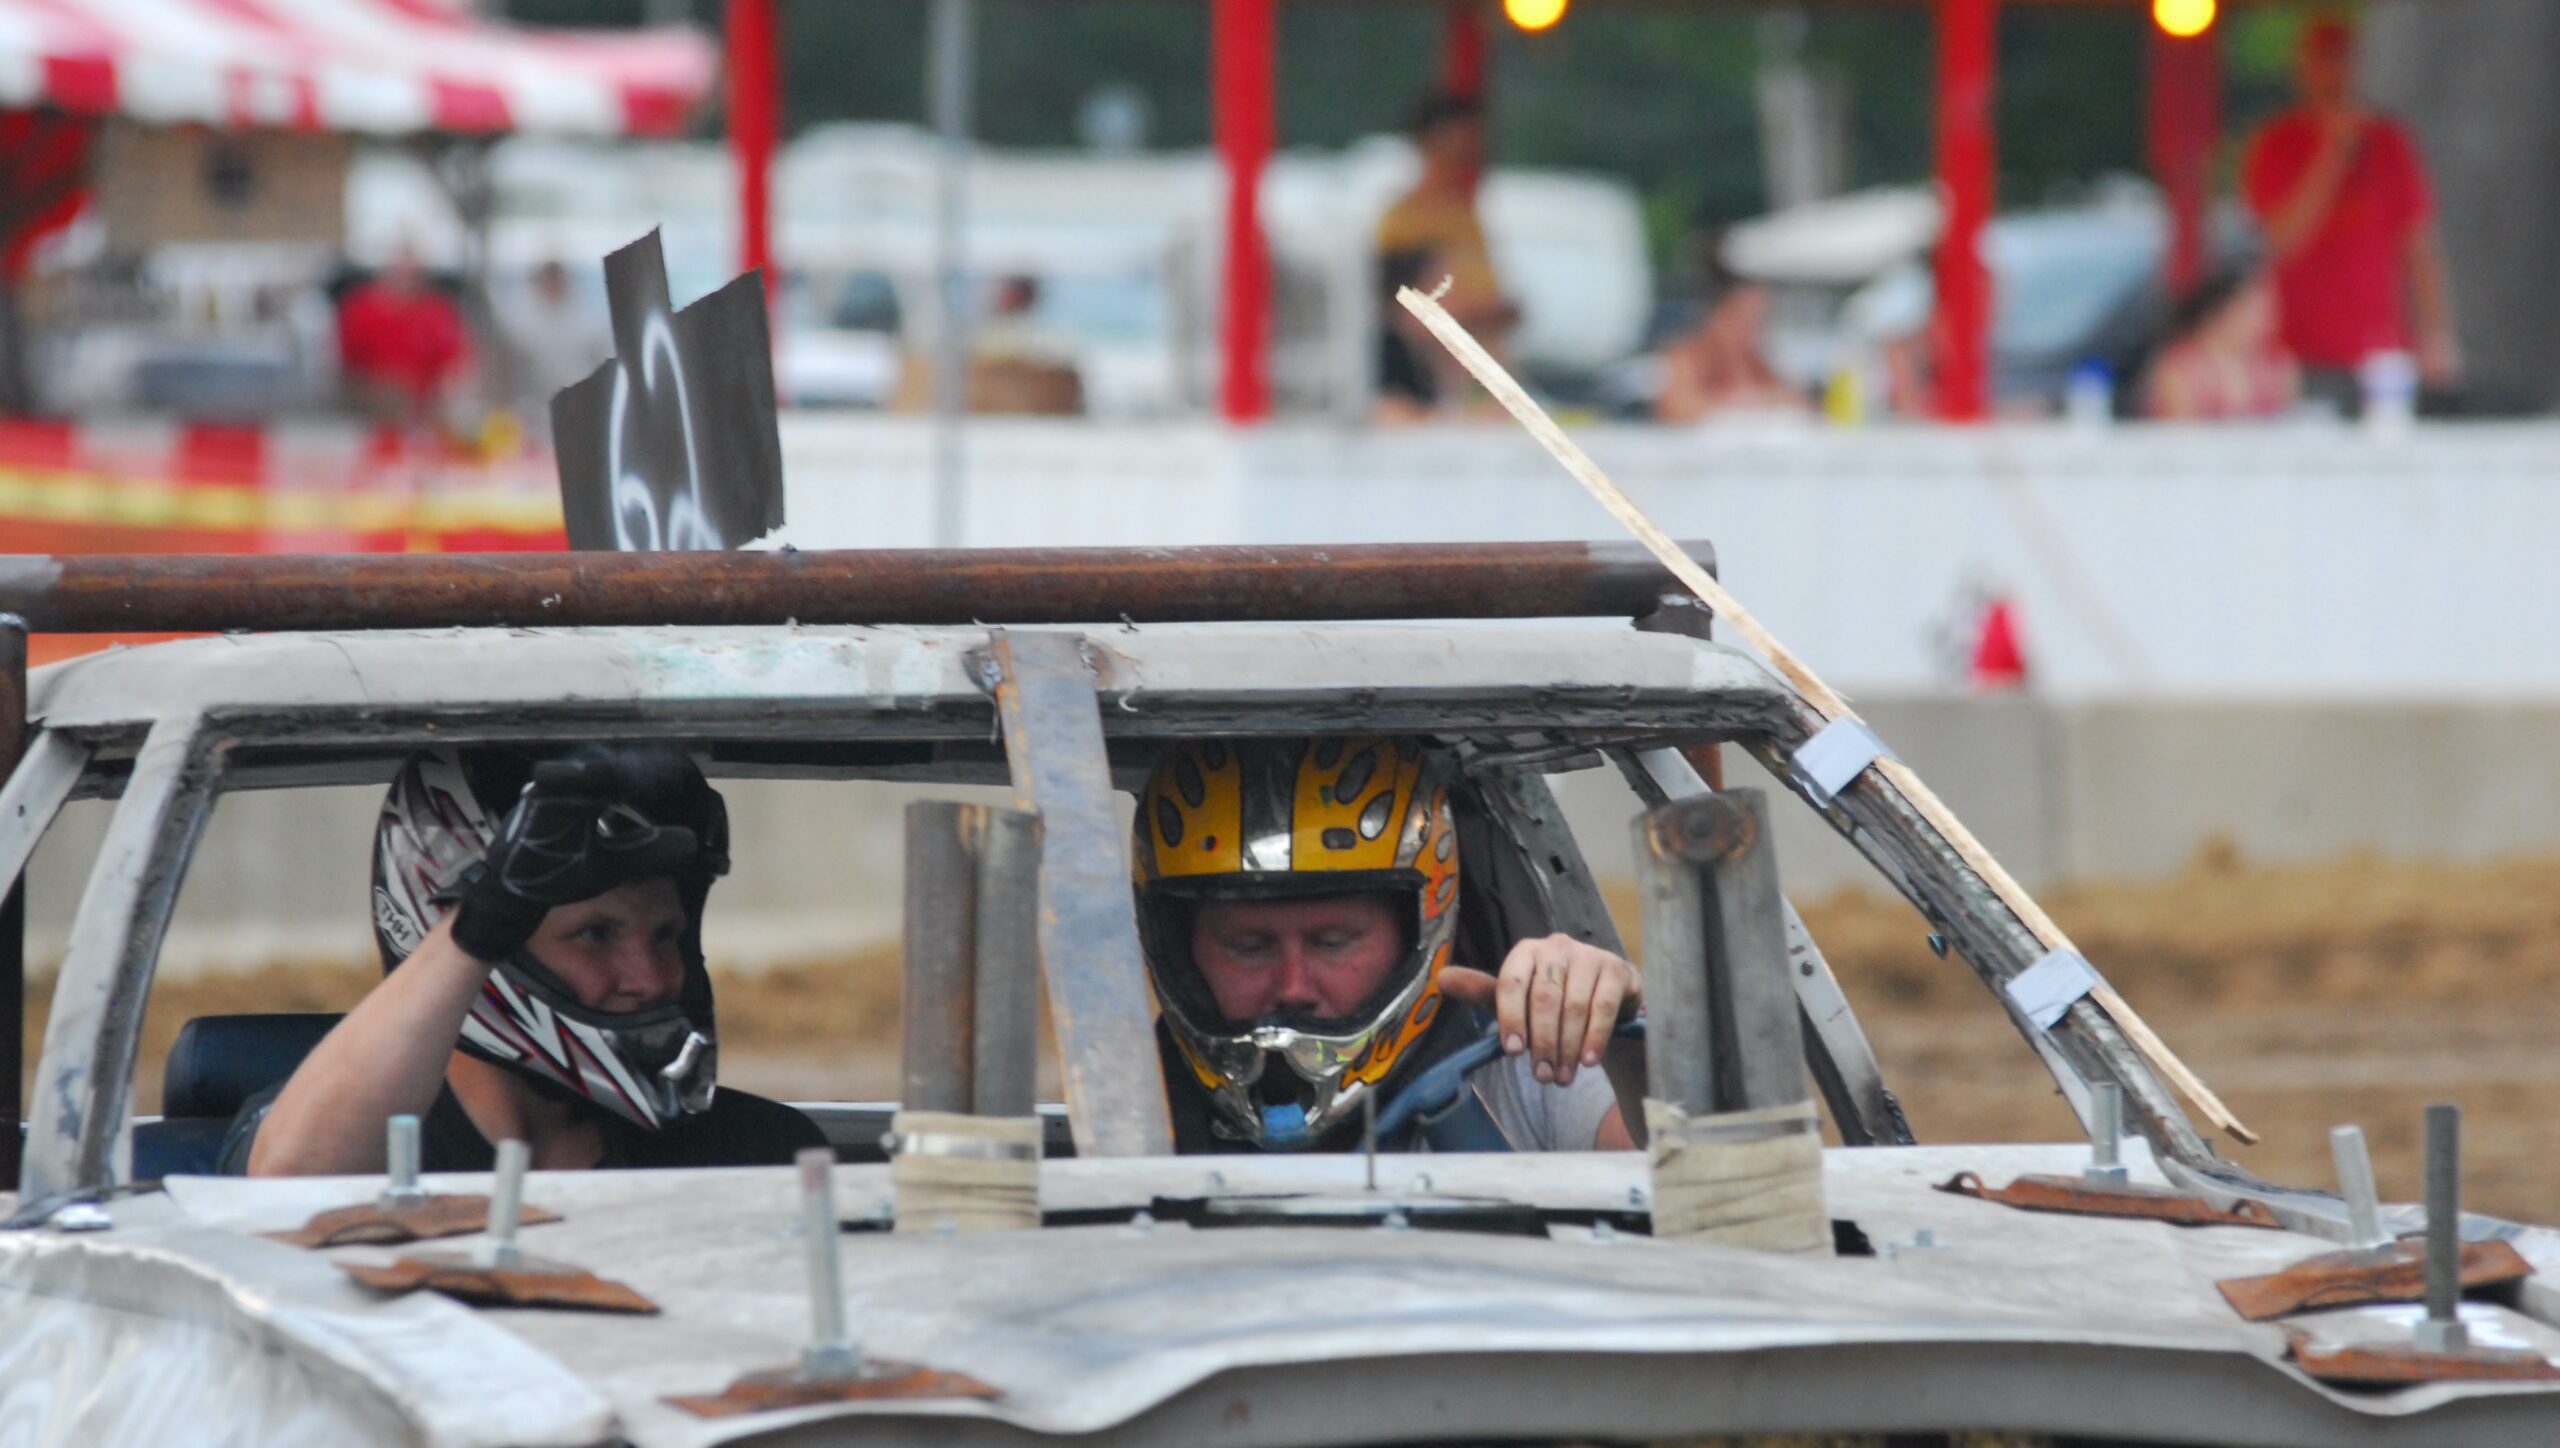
(1298, 901)
(540, 923)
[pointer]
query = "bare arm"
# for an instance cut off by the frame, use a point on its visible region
(385, 1059)
(2431, 305)
(2292, 222)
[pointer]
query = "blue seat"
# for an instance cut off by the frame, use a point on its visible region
(218, 1063)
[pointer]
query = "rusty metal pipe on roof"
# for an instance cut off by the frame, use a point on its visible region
(188, 593)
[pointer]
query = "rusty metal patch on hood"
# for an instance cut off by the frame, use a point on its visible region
(2074, 1197)
(2396, 1273)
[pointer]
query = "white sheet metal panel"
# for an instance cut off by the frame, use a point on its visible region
(161, 1331)
(1103, 1328)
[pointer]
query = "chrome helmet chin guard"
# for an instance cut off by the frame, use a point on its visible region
(1278, 819)
(443, 812)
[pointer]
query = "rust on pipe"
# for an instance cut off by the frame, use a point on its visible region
(193, 593)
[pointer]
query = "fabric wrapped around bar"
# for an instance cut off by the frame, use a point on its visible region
(963, 1173)
(1739, 1178)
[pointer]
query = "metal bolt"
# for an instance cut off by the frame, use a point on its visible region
(1635, 1198)
(1369, 1135)
(831, 1353)
(2442, 1331)
(400, 1148)
(1602, 1234)
(1142, 1224)
(2106, 1130)
(1396, 1220)
(506, 1207)
(2355, 1187)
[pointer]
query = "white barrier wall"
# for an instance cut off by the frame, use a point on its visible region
(2282, 560)
(2122, 788)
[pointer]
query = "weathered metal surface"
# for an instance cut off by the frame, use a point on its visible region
(79, 1135)
(1005, 1063)
(1089, 949)
(1709, 872)
(13, 906)
(2039, 1323)
(2396, 1273)
(2378, 1365)
(880, 1382)
(533, 1282)
(150, 593)
(1836, 1050)
(837, 682)
(2086, 1045)
(180, 1334)
(937, 976)
(2074, 1196)
(451, 1214)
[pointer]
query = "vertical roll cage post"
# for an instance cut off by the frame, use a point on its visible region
(79, 1140)
(32, 796)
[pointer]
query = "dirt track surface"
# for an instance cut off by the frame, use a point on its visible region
(2354, 991)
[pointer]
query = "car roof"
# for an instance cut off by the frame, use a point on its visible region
(918, 682)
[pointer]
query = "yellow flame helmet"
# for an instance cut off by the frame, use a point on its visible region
(1290, 819)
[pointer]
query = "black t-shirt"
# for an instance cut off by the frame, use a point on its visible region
(740, 1129)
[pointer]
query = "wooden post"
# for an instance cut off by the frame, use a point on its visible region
(1962, 333)
(13, 912)
(2183, 116)
(754, 55)
(1722, 1029)
(1243, 60)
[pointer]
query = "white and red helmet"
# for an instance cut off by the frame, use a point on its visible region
(442, 813)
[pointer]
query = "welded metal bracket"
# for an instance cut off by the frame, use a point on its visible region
(1844, 1065)
(1089, 952)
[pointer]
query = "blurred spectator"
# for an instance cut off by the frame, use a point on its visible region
(1016, 362)
(2343, 197)
(2224, 357)
(1720, 365)
(402, 345)
(557, 336)
(1431, 233)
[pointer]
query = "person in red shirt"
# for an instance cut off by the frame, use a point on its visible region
(401, 344)
(2343, 198)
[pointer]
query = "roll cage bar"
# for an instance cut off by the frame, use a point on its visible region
(1060, 702)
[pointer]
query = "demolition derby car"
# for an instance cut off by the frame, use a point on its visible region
(2135, 1290)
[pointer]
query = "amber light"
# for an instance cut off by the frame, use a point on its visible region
(1536, 14)
(2185, 19)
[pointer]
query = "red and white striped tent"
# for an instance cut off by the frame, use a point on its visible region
(378, 67)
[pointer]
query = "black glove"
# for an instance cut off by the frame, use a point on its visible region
(572, 836)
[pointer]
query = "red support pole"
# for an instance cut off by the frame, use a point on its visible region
(1463, 50)
(1243, 43)
(1962, 331)
(755, 124)
(2185, 123)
